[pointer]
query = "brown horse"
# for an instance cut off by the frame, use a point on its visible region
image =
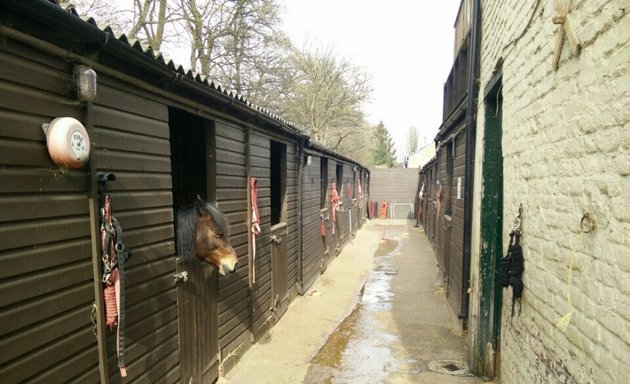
(202, 230)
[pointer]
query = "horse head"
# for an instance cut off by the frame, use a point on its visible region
(212, 238)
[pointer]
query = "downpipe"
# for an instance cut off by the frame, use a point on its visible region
(471, 119)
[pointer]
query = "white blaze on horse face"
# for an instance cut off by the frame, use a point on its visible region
(228, 261)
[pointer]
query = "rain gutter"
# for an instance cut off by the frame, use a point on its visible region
(94, 40)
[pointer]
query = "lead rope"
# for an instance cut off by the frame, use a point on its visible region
(565, 320)
(114, 256)
(255, 223)
(121, 256)
(334, 205)
(587, 225)
(517, 267)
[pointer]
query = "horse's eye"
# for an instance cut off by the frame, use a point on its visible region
(218, 235)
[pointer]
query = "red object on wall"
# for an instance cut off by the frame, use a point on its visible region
(371, 211)
(382, 210)
(322, 227)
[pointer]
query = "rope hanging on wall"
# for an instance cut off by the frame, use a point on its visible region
(512, 266)
(334, 205)
(114, 256)
(587, 225)
(504, 266)
(255, 219)
(517, 267)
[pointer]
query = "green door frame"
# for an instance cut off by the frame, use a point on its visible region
(486, 359)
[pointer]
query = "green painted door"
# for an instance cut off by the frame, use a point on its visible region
(487, 349)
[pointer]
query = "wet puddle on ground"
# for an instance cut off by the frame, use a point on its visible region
(385, 247)
(357, 351)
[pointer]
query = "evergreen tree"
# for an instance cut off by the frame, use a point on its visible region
(384, 152)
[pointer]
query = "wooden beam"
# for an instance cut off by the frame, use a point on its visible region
(562, 17)
(574, 41)
(558, 48)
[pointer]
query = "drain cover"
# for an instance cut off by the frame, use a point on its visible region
(449, 367)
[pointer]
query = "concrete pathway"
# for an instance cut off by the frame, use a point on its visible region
(377, 315)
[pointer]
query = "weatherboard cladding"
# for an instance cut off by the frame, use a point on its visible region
(260, 169)
(142, 202)
(312, 241)
(332, 239)
(442, 241)
(231, 193)
(457, 230)
(159, 58)
(45, 244)
(449, 238)
(347, 202)
(46, 308)
(292, 218)
(429, 217)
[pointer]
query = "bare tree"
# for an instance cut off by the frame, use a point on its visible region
(359, 144)
(104, 12)
(255, 51)
(238, 43)
(411, 146)
(204, 22)
(326, 97)
(150, 19)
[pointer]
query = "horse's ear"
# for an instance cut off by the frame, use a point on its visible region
(200, 205)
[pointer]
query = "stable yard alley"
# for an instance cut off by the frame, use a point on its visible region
(378, 315)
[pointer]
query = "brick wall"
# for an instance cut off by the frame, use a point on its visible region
(566, 148)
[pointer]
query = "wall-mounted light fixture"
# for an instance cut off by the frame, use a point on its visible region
(309, 160)
(85, 81)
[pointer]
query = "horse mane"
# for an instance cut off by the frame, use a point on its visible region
(185, 227)
(185, 222)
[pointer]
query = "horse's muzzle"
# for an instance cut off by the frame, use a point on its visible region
(226, 270)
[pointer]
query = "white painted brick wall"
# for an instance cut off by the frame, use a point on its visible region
(566, 147)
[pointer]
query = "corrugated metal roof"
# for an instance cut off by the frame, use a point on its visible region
(170, 66)
(158, 57)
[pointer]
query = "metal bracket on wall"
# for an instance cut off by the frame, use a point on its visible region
(517, 230)
(101, 180)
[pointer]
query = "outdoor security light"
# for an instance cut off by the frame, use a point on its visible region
(85, 78)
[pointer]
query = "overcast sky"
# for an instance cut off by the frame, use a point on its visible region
(405, 45)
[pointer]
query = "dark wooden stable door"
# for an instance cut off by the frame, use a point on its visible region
(198, 321)
(279, 230)
(193, 173)
(491, 298)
